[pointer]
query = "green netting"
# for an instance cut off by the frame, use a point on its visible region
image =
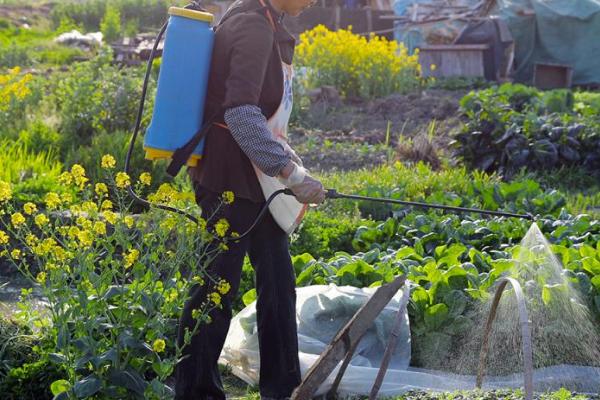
(561, 31)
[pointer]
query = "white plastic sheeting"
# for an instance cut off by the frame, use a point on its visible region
(322, 311)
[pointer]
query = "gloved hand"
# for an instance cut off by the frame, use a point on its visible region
(310, 191)
(307, 189)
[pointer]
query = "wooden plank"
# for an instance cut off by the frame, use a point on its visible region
(453, 60)
(346, 338)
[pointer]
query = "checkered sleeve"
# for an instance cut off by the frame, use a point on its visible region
(248, 127)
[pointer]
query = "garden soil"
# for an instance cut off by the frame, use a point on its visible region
(363, 134)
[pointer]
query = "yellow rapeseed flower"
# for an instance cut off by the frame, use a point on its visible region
(101, 189)
(146, 178)
(107, 205)
(41, 278)
(52, 200)
(66, 198)
(78, 173)
(66, 178)
(73, 232)
(159, 345)
(41, 220)
(110, 216)
(123, 180)
(16, 254)
(5, 191)
(31, 239)
(131, 257)
(29, 208)
(224, 287)
(221, 227)
(215, 298)
(129, 221)
(228, 197)
(89, 207)
(3, 237)
(86, 238)
(100, 228)
(108, 161)
(197, 279)
(17, 219)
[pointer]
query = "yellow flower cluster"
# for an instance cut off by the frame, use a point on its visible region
(5, 191)
(146, 178)
(123, 180)
(131, 257)
(108, 161)
(215, 298)
(52, 200)
(13, 87)
(3, 237)
(29, 208)
(223, 287)
(221, 227)
(17, 219)
(159, 345)
(228, 197)
(78, 173)
(357, 65)
(41, 220)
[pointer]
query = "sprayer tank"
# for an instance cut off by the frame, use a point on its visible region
(182, 84)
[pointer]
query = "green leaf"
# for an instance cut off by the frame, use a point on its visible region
(456, 302)
(552, 293)
(435, 316)
(129, 380)
(61, 396)
(596, 282)
(457, 278)
(59, 386)
(57, 358)
(302, 261)
(459, 326)
(249, 297)
(591, 265)
(587, 251)
(87, 387)
(114, 291)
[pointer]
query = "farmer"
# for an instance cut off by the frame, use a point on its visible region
(246, 153)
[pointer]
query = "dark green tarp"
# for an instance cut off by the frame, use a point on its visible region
(561, 32)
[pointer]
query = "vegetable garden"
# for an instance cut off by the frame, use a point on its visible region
(104, 279)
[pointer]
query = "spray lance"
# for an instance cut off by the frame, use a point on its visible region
(164, 139)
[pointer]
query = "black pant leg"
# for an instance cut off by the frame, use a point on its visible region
(276, 310)
(198, 376)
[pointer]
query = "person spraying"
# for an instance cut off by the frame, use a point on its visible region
(249, 97)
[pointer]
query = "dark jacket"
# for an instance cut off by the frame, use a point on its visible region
(245, 70)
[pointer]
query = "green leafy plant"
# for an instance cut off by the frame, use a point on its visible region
(115, 284)
(111, 23)
(513, 126)
(96, 97)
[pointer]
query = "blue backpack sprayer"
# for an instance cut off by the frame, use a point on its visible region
(178, 126)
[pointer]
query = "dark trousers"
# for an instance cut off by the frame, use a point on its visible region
(197, 375)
